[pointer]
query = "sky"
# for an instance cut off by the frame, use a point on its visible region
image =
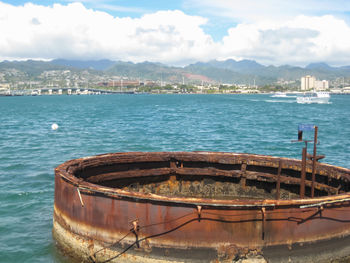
(178, 33)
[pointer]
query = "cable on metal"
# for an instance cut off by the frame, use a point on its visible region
(132, 230)
(114, 244)
(148, 237)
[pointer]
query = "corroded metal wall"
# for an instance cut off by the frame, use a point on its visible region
(93, 217)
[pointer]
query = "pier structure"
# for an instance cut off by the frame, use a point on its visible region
(63, 91)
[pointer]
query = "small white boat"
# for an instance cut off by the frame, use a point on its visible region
(314, 97)
(279, 95)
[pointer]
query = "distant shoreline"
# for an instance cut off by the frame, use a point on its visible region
(130, 93)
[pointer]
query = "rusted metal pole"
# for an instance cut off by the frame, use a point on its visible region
(278, 183)
(263, 210)
(314, 164)
(303, 173)
(243, 173)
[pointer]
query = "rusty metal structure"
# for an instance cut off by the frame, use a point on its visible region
(201, 207)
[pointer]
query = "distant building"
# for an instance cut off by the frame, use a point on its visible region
(346, 89)
(309, 83)
(4, 86)
(321, 85)
(120, 83)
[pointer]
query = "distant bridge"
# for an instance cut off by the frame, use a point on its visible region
(62, 91)
(81, 90)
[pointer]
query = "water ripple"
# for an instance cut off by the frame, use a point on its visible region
(90, 125)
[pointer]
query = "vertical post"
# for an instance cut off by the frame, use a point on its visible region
(172, 170)
(243, 174)
(263, 210)
(278, 183)
(314, 164)
(303, 174)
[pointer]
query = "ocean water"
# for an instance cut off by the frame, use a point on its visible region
(90, 125)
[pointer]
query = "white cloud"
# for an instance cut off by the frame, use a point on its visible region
(72, 31)
(298, 41)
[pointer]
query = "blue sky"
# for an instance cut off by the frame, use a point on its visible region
(178, 32)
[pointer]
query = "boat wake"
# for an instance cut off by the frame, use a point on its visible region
(280, 101)
(314, 102)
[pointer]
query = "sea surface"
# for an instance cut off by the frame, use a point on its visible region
(90, 125)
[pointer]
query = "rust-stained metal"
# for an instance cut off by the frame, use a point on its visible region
(314, 163)
(303, 173)
(200, 207)
(278, 182)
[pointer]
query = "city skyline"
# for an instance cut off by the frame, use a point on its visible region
(177, 33)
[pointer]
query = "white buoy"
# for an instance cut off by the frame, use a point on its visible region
(54, 126)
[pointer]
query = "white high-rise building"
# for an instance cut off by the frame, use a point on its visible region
(310, 83)
(321, 85)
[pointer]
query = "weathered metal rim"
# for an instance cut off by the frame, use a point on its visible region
(63, 171)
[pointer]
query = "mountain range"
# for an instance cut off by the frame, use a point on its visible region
(227, 71)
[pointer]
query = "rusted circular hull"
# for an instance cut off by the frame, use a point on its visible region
(89, 218)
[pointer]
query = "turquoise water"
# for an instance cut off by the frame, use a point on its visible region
(89, 125)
